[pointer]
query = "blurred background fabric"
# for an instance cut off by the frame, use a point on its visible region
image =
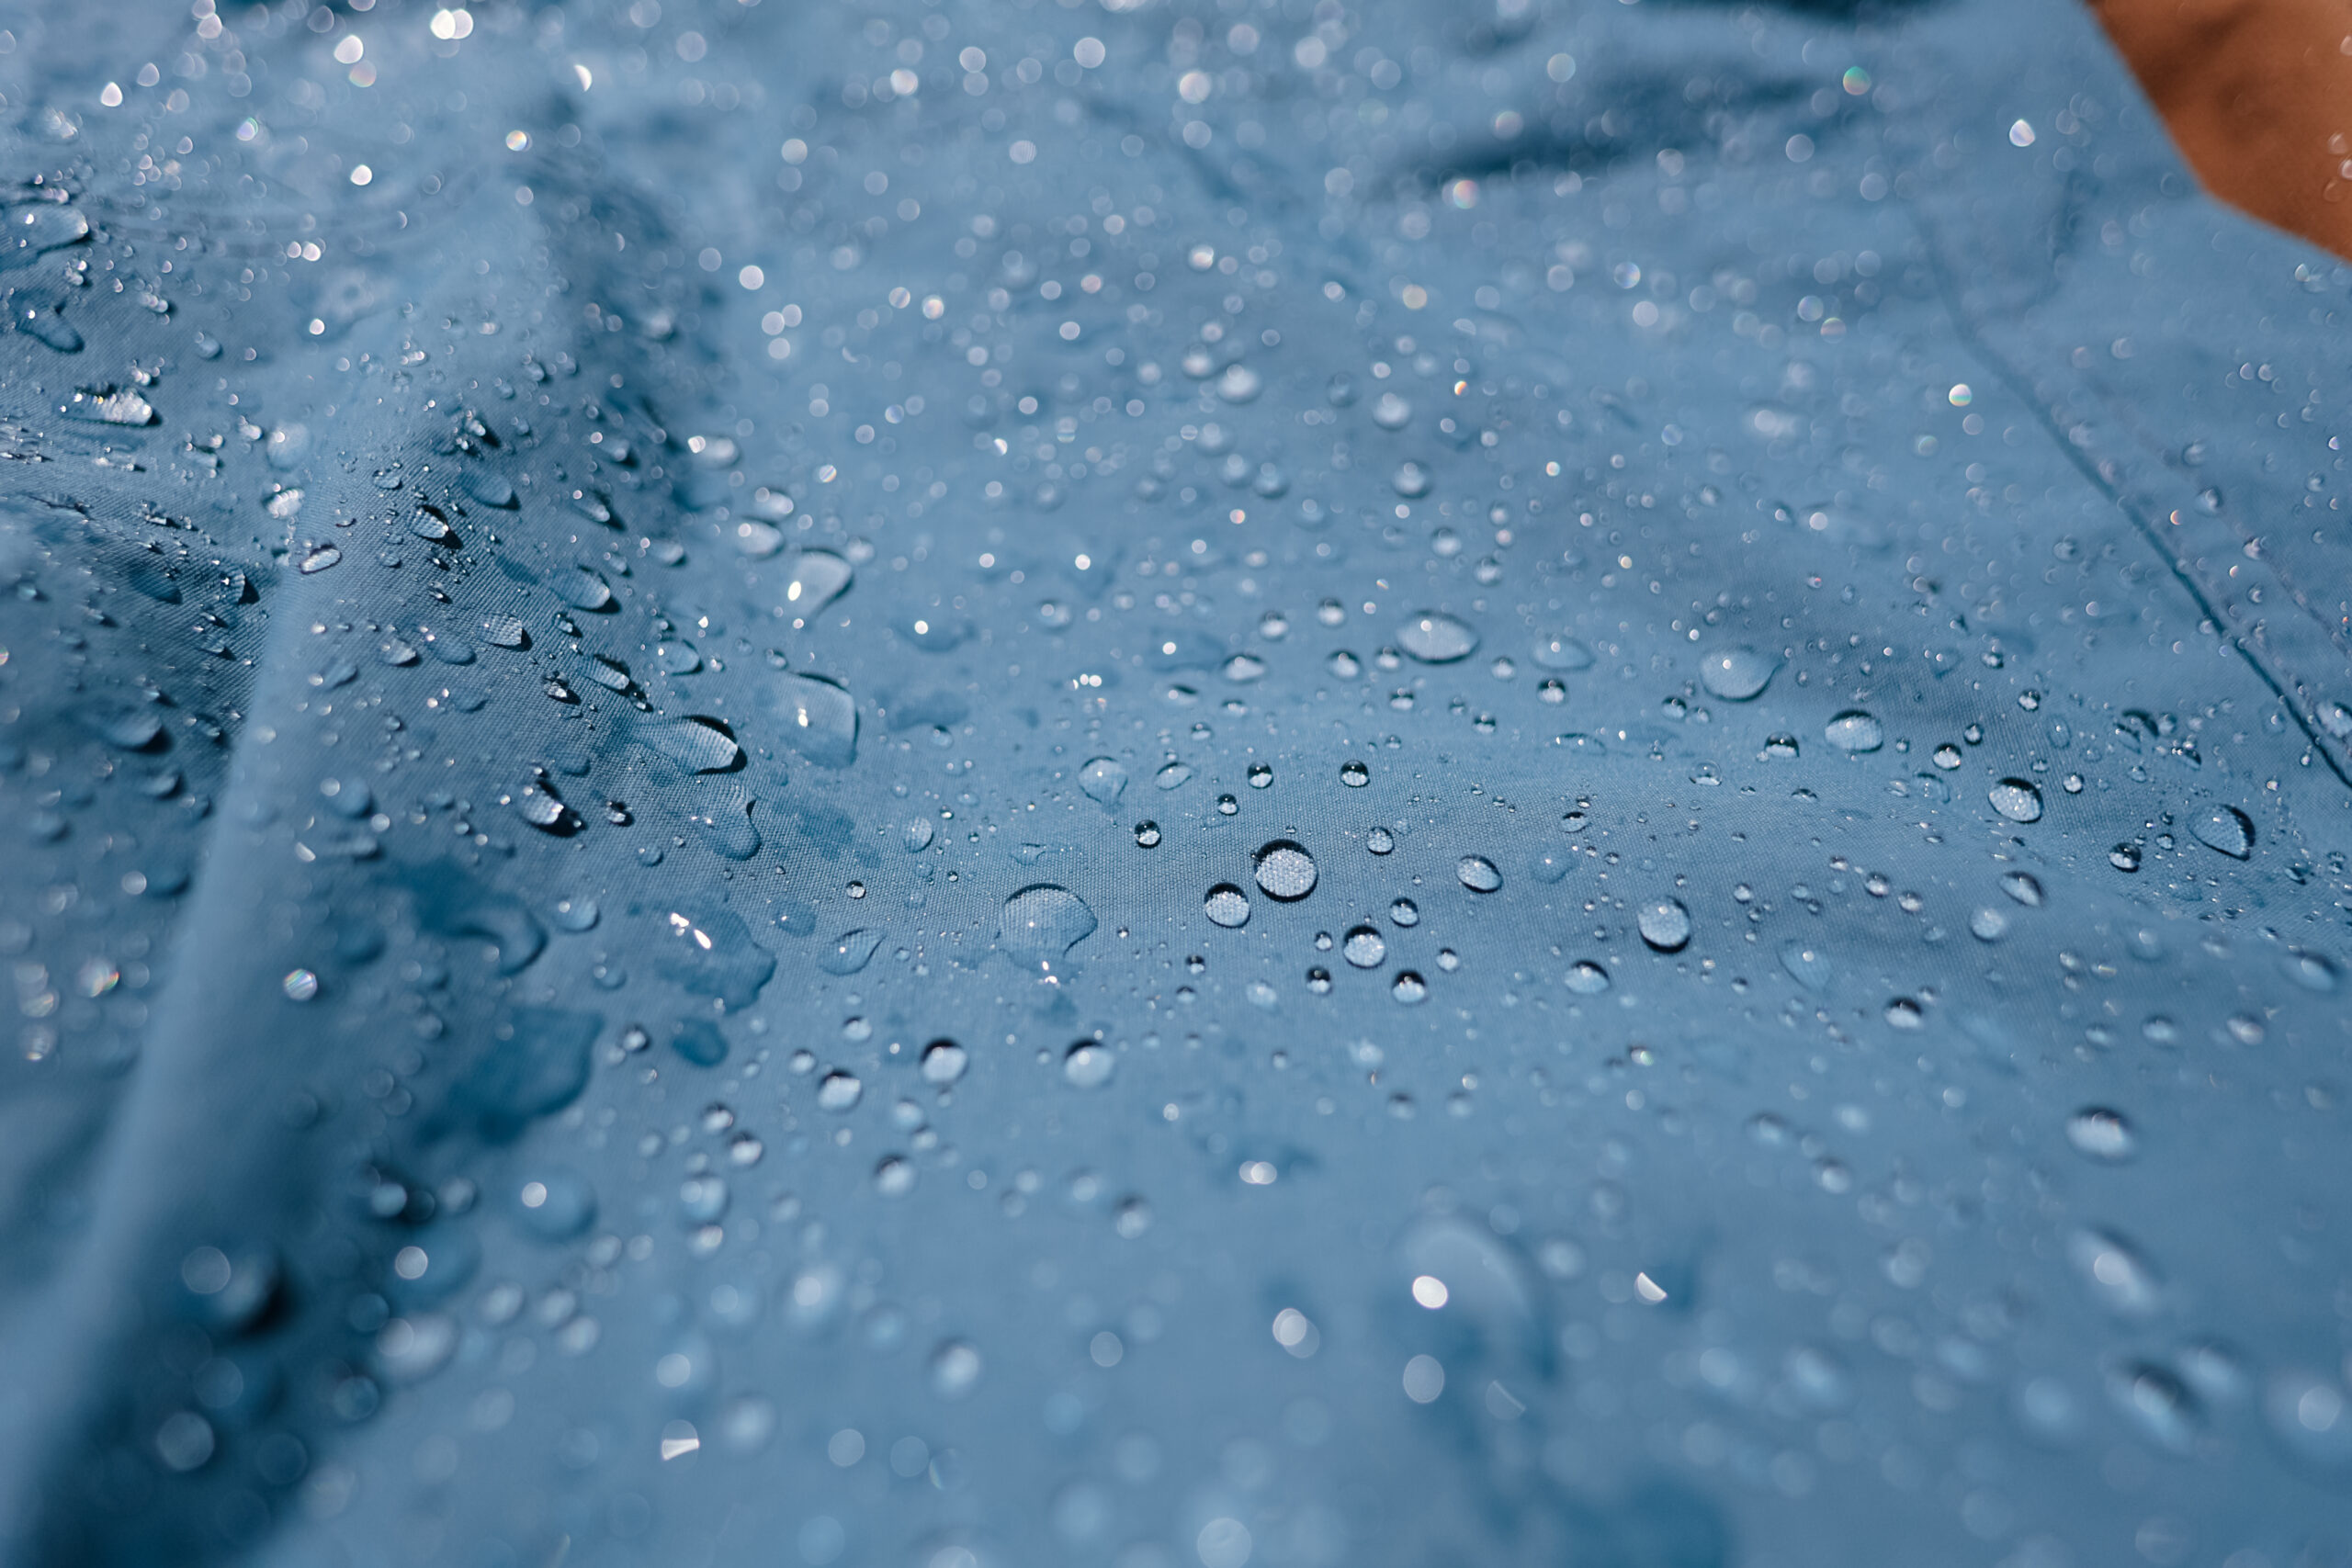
(1162, 783)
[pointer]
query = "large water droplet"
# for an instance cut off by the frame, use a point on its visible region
(1285, 871)
(818, 577)
(944, 1062)
(1103, 779)
(838, 1091)
(955, 1369)
(1435, 637)
(1736, 674)
(698, 745)
(1854, 731)
(2102, 1135)
(849, 952)
(1477, 874)
(1807, 964)
(821, 719)
(1227, 905)
(1665, 924)
(2223, 828)
(1364, 947)
(711, 952)
(1088, 1064)
(2125, 1282)
(2016, 799)
(1042, 922)
(1561, 652)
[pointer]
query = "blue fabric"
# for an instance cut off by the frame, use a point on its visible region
(1161, 785)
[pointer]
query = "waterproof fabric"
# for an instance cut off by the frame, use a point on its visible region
(1162, 785)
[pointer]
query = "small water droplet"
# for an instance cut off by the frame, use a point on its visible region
(1355, 775)
(1477, 874)
(916, 835)
(1148, 835)
(1408, 988)
(300, 985)
(2124, 857)
(1586, 978)
(1380, 842)
(1364, 947)
(1405, 912)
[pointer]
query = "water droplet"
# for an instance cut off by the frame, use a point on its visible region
(1405, 912)
(1736, 674)
(1562, 651)
(916, 835)
(1103, 779)
(1411, 480)
(1477, 874)
(1408, 988)
(2023, 887)
(2124, 857)
(1665, 924)
(698, 745)
(1855, 731)
(1355, 775)
(838, 1091)
(1380, 842)
(1435, 638)
(820, 720)
(1285, 871)
(1364, 947)
(1172, 776)
(1227, 905)
(574, 914)
(1147, 835)
(1240, 384)
(894, 1176)
(2223, 828)
(818, 577)
(944, 1062)
(955, 1369)
(1088, 1064)
(2125, 1282)
(2016, 799)
(584, 589)
(1586, 978)
(504, 631)
(300, 985)
(2102, 1135)
(1391, 412)
(1988, 924)
(1807, 964)
(1041, 923)
(850, 952)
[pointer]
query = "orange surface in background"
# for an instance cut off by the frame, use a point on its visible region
(2258, 97)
